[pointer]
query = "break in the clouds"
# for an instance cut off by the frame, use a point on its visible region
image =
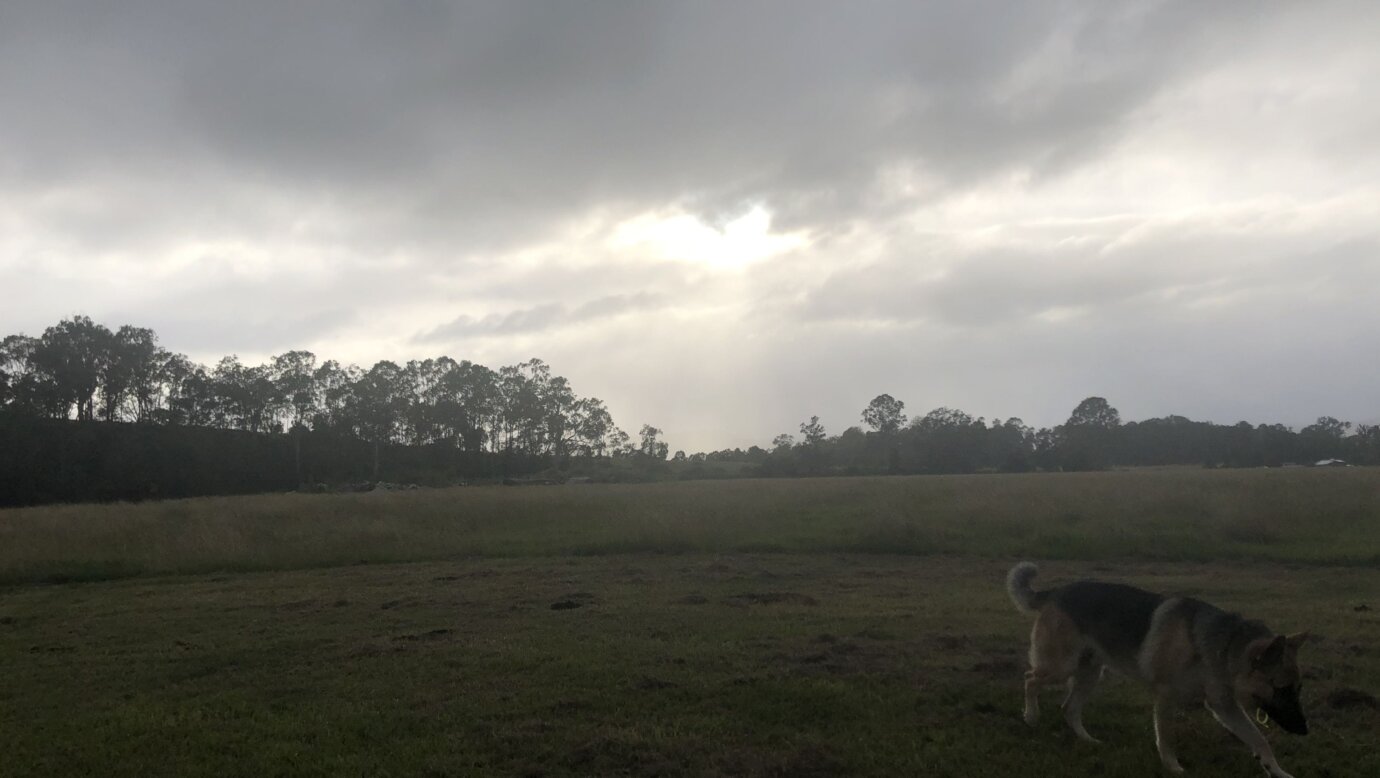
(721, 218)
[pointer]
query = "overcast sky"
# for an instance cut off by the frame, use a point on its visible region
(721, 218)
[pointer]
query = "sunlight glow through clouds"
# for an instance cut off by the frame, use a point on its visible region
(685, 237)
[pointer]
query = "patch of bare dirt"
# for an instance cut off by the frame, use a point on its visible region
(573, 600)
(770, 598)
(435, 634)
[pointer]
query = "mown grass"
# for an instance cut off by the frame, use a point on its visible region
(694, 665)
(1307, 516)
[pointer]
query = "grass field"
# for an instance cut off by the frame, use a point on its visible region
(782, 628)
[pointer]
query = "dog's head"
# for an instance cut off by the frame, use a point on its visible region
(1272, 680)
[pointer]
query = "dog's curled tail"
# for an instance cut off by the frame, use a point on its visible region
(1018, 586)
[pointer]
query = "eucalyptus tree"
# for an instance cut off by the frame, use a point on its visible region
(885, 414)
(470, 407)
(73, 355)
(245, 396)
(297, 393)
(378, 406)
(947, 440)
(21, 386)
(334, 393)
(1090, 435)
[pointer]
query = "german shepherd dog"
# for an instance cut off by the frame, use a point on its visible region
(1185, 649)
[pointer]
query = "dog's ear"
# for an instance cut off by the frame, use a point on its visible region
(1295, 640)
(1266, 652)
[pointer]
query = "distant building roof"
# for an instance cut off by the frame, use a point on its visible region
(1330, 463)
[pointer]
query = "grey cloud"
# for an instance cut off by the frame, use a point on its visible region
(478, 121)
(540, 318)
(402, 150)
(258, 332)
(1172, 264)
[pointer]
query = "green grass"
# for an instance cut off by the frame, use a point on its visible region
(770, 628)
(1309, 516)
(809, 664)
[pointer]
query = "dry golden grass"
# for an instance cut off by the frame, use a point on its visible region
(1322, 516)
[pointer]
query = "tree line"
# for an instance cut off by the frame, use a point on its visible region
(514, 420)
(79, 369)
(87, 412)
(946, 440)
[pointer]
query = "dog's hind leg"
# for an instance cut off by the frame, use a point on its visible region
(1054, 652)
(1230, 715)
(1081, 685)
(1033, 682)
(1171, 762)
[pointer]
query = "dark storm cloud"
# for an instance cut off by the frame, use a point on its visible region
(480, 121)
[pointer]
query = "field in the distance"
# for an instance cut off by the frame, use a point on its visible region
(786, 628)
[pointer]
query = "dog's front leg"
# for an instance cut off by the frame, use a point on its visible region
(1231, 716)
(1171, 762)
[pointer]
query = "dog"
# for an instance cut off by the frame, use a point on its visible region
(1186, 650)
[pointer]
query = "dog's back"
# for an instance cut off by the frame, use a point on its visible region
(1115, 618)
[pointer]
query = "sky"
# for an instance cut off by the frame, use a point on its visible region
(721, 218)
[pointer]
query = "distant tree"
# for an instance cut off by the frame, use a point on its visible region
(73, 355)
(1045, 449)
(1011, 445)
(22, 386)
(651, 445)
(1323, 438)
(884, 414)
(812, 446)
(188, 389)
(293, 375)
(334, 388)
(560, 408)
(587, 427)
(1327, 428)
(1094, 412)
(619, 443)
(1090, 435)
(1367, 445)
(1278, 444)
(9, 375)
(783, 441)
(850, 450)
(469, 405)
(379, 406)
(155, 382)
(244, 396)
(129, 368)
(947, 440)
